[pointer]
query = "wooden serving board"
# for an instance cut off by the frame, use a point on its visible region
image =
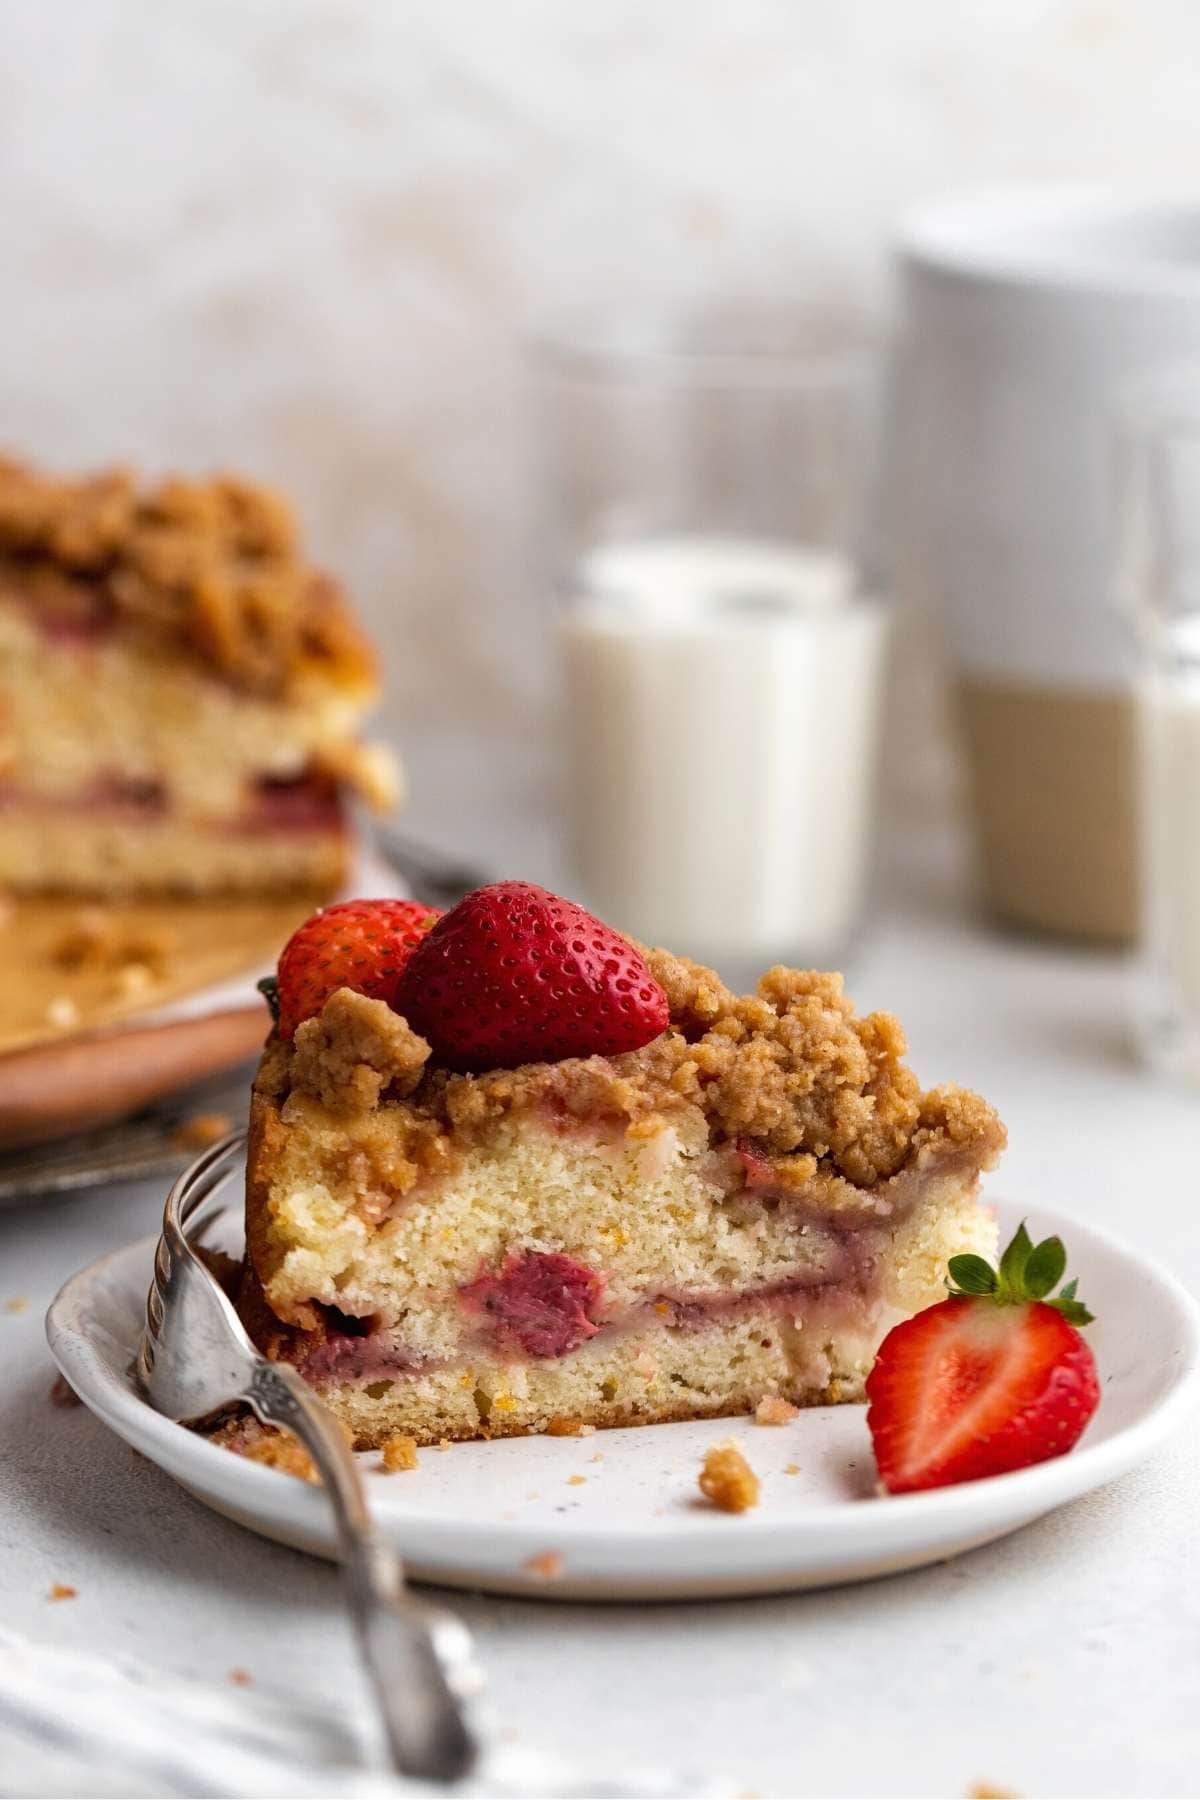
(80, 986)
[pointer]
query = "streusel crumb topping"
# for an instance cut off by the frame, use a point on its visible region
(214, 565)
(790, 1072)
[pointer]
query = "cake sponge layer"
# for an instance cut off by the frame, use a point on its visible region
(811, 1348)
(114, 857)
(701, 1295)
(133, 712)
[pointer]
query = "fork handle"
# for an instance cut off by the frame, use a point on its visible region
(416, 1657)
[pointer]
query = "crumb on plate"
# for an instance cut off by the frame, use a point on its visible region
(400, 1452)
(241, 1677)
(279, 1451)
(18, 1304)
(547, 1565)
(727, 1478)
(576, 1480)
(62, 1591)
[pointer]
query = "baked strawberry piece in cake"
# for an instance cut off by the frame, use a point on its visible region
(180, 691)
(517, 1174)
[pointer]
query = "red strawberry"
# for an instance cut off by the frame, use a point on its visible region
(993, 1379)
(360, 944)
(515, 974)
(757, 1171)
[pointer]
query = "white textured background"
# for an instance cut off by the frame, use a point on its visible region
(305, 236)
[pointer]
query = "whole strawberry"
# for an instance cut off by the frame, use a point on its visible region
(993, 1379)
(516, 974)
(359, 944)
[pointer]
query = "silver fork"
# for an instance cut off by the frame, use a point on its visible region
(195, 1357)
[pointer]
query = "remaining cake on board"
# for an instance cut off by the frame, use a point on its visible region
(180, 691)
(689, 1201)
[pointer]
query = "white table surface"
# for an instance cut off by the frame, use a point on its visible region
(1063, 1661)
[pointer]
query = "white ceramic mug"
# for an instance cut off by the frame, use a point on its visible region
(1025, 313)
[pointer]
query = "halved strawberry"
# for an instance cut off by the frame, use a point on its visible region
(993, 1379)
(359, 944)
(516, 974)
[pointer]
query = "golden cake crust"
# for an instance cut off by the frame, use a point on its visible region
(214, 567)
(791, 1069)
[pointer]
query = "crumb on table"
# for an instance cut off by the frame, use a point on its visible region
(400, 1452)
(547, 1565)
(62, 1591)
(727, 1478)
(773, 1409)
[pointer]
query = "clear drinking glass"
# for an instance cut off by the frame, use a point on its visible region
(703, 516)
(1159, 587)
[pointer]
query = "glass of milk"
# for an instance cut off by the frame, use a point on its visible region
(1159, 586)
(722, 654)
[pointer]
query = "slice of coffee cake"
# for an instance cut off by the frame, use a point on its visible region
(180, 691)
(737, 1198)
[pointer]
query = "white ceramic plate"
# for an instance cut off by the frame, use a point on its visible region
(499, 1515)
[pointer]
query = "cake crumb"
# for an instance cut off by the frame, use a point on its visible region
(241, 1677)
(443, 1443)
(62, 1013)
(100, 940)
(18, 1304)
(201, 1130)
(547, 1565)
(599, 1456)
(62, 1393)
(576, 1480)
(791, 1468)
(562, 1426)
(773, 1409)
(133, 979)
(727, 1478)
(400, 1452)
(986, 1790)
(353, 1050)
(62, 1591)
(587, 1431)
(279, 1451)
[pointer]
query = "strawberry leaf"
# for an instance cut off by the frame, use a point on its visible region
(1028, 1271)
(268, 987)
(1013, 1263)
(971, 1275)
(1073, 1311)
(1045, 1268)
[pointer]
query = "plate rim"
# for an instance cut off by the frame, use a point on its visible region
(1018, 1496)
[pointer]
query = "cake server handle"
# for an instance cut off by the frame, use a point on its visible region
(419, 1658)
